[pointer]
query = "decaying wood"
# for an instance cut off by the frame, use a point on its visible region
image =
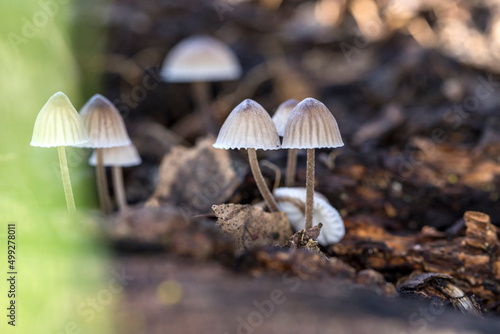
(198, 259)
(438, 289)
(471, 259)
(174, 295)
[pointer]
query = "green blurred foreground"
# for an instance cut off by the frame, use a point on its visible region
(64, 283)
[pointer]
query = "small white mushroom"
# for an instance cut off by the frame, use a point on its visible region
(116, 158)
(310, 126)
(249, 126)
(200, 60)
(123, 156)
(279, 118)
(106, 128)
(292, 201)
(58, 124)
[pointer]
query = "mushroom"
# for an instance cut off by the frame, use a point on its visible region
(199, 60)
(116, 158)
(311, 125)
(279, 118)
(250, 126)
(105, 128)
(292, 202)
(58, 124)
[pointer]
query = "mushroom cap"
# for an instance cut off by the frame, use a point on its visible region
(58, 124)
(292, 201)
(281, 115)
(311, 125)
(123, 156)
(200, 58)
(104, 124)
(248, 126)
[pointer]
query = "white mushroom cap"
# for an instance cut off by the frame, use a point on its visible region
(200, 58)
(281, 115)
(104, 124)
(123, 156)
(248, 126)
(58, 124)
(292, 201)
(311, 125)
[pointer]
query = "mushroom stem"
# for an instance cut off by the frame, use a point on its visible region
(201, 95)
(291, 166)
(309, 188)
(68, 191)
(259, 179)
(102, 183)
(118, 187)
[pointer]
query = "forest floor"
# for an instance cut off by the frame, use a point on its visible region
(417, 182)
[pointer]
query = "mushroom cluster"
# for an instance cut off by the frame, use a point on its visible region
(200, 59)
(100, 126)
(305, 125)
(106, 130)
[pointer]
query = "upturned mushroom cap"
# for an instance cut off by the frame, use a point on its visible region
(104, 124)
(200, 58)
(123, 156)
(58, 124)
(281, 115)
(311, 125)
(248, 126)
(292, 201)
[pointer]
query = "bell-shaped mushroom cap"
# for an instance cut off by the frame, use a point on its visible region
(281, 115)
(58, 124)
(200, 58)
(292, 201)
(123, 156)
(248, 126)
(104, 124)
(311, 125)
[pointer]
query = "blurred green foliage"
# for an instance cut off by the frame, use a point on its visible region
(60, 262)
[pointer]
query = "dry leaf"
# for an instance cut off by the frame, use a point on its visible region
(251, 226)
(306, 239)
(194, 179)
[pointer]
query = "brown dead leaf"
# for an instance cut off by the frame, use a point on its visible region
(251, 226)
(194, 179)
(306, 239)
